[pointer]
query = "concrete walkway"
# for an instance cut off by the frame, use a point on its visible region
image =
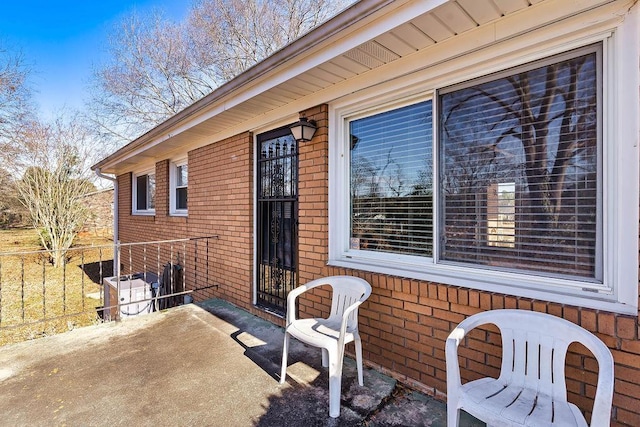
(206, 365)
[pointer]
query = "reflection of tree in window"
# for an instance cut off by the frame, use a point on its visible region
(391, 188)
(537, 128)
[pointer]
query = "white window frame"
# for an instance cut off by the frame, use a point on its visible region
(173, 186)
(618, 292)
(134, 193)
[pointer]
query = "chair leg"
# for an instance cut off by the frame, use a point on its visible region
(358, 344)
(335, 383)
(285, 351)
(325, 358)
(453, 415)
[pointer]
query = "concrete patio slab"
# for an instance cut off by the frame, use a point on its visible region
(211, 364)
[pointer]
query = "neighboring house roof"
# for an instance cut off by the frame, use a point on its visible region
(333, 60)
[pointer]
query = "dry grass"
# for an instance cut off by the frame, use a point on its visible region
(37, 299)
(19, 239)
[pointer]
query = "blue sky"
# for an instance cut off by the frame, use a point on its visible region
(62, 40)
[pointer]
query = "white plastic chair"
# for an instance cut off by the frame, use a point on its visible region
(531, 389)
(330, 334)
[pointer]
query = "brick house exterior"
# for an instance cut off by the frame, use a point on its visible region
(406, 321)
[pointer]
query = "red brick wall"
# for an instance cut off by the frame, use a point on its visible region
(405, 322)
(220, 203)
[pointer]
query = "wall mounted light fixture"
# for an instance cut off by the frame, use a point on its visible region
(303, 130)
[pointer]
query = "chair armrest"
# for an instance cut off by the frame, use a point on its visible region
(451, 356)
(295, 293)
(601, 412)
(291, 302)
(451, 347)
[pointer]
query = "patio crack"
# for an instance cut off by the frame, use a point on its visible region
(398, 392)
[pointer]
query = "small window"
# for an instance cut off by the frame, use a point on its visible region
(179, 183)
(144, 194)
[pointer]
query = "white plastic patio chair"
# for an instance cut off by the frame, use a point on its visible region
(531, 389)
(330, 334)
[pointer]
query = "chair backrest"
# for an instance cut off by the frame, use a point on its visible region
(534, 348)
(347, 290)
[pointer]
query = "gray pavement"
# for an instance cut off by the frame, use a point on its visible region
(210, 364)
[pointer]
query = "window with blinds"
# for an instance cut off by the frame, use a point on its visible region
(519, 168)
(391, 174)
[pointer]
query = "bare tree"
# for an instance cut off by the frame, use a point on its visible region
(54, 160)
(12, 212)
(149, 77)
(15, 96)
(230, 36)
(15, 109)
(156, 68)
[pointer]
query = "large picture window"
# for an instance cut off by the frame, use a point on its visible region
(520, 170)
(517, 182)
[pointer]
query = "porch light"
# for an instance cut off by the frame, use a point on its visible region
(303, 130)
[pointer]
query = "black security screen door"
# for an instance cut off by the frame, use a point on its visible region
(277, 218)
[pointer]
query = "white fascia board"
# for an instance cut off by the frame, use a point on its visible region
(345, 39)
(349, 39)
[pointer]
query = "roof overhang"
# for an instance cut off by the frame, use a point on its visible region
(319, 67)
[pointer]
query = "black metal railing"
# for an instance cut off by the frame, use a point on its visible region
(38, 299)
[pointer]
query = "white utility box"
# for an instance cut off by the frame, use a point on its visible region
(131, 291)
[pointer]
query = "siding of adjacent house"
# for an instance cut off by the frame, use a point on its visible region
(100, 205)
(405, 322)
